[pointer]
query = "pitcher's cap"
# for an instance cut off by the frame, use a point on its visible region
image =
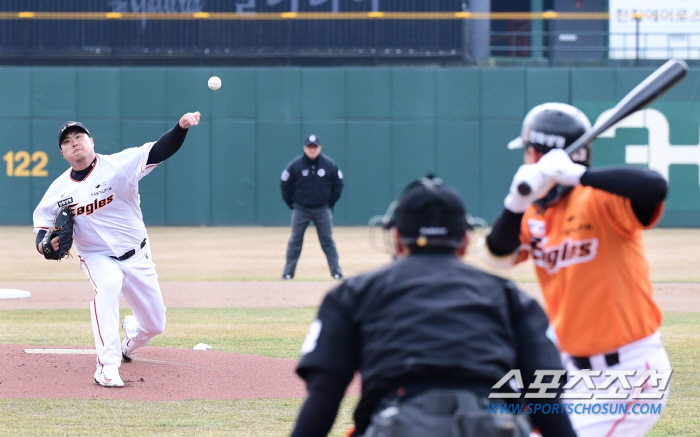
(68, 127)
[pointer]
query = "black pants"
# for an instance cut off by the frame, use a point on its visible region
(323, 220)
(444, 413)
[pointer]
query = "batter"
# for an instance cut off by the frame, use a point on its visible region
(585, 238)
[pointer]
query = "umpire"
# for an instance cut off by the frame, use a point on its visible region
(311, 185)
(430, 337)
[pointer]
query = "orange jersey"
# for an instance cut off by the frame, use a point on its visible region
(589, 256)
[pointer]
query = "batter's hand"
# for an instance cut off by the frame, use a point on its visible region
(559, 166)
(540, 183)
(189, 119)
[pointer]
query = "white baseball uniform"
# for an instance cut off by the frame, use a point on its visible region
(108, 228)
(628, 400)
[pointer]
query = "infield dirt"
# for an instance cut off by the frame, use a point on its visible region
(237, 267)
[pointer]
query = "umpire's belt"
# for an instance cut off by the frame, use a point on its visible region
(585, 362)
(130, 253)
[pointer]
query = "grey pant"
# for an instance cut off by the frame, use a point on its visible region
(323, 220)
(444, 413)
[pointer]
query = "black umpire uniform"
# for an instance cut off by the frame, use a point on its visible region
(429, 335)
(310, 187)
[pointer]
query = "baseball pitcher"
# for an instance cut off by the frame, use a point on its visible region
(101, 195)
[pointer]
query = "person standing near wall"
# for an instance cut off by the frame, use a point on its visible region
(311, 185)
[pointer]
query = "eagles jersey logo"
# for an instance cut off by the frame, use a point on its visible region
(91, 207)
(321, 172)
(567, 253)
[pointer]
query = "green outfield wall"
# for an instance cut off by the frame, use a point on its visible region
(383, 126)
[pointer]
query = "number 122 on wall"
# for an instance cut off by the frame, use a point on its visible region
(23, 160)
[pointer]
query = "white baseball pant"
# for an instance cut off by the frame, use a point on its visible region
(633, 417)
(135, 279)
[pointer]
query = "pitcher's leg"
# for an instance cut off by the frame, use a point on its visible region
(106, 278)
(142, 293)
(300, 221)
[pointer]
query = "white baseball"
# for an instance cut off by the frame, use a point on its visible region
(214, 83)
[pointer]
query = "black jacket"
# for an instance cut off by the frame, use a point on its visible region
(311, 184)
(425, 318)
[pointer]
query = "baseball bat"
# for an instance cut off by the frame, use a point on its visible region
(646, 92)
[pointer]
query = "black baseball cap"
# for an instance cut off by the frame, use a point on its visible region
(312, 139)
(430, 213)
(68, 127)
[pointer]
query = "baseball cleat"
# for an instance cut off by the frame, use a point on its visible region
(109, 378)
(286, 277)
(338, 277)
(127, 355)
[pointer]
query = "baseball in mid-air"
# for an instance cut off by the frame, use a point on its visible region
(214, 83)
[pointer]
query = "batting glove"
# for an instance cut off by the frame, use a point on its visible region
(539, 184)
(558, 165)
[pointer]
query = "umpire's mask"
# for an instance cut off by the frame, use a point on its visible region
(430, 214)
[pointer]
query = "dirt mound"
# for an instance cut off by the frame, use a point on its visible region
(155, 374)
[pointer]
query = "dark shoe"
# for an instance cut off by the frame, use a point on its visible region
(286, 277)
(127, 353)
(338, 277)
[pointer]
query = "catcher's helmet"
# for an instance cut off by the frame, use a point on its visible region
(430, 213)
(555, 125)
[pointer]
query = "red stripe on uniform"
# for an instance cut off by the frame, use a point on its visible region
(94, 305)
(629, 405)
(619, 421)
(94, 286)
(145, 165)
(97, 321)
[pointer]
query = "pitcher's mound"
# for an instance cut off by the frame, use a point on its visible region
(155, 374)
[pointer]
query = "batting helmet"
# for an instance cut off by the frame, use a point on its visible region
(555, 125)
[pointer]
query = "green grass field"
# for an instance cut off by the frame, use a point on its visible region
(257, 253)
(268, 332)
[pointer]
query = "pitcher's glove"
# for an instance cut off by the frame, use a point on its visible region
(63, 229)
